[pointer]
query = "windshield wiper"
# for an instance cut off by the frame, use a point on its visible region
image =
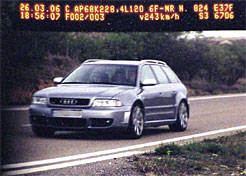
(110, 83)
(74, 83)
(99, 83)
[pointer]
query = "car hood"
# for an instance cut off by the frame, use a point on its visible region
(85, 91)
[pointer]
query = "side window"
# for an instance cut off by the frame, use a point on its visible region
(161, 76)
(171, 75)
(146, 73)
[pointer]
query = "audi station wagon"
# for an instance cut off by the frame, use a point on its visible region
(110, 94)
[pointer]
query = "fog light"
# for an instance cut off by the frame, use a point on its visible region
(108, 121)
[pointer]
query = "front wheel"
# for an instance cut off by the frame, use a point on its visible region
(136, 123)
(182, 118)
(42, 131)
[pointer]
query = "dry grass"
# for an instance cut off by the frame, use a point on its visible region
(221, 156)
(198, 87)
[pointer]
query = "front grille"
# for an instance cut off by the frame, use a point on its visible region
(70, 101)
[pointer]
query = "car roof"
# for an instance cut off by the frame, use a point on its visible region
(124, 62)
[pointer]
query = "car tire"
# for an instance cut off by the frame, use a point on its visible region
(182, 118)
(43, 132)
(136, 123)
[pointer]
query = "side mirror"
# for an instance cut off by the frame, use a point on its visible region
(149, 82)
(57, 80)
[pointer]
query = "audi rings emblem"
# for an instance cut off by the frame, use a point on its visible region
(68, 101)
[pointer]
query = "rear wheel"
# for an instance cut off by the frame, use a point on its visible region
(182, 118)
(136, 123)
(42, 131)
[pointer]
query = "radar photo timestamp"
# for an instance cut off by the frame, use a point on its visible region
(118, 15)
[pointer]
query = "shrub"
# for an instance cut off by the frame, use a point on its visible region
(172, 149)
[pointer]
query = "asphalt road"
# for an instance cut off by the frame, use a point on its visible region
(20, 145)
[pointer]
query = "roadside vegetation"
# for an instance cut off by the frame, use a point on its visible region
(30, 60)
(221, 156)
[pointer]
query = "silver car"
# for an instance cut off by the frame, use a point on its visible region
(109, 94)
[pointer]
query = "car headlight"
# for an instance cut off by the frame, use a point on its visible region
(39, 100)
(109, 103)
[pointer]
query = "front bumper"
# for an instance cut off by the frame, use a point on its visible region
(92, 118)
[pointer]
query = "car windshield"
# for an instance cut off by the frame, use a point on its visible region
(103, 74)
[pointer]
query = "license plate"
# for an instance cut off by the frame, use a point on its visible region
(67, 113)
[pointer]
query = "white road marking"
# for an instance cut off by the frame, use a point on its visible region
(111, 151)
(26, 125)
(25, 108)
(73, 163)
(216, 97)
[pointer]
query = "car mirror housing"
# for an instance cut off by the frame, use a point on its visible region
(57, 80)
(148, 82)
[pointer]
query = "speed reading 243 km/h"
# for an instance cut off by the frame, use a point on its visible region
(94, 12)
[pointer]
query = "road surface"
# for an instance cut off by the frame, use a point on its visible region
(22, 152)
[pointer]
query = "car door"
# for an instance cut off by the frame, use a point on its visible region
(173, 85)
(166, 93)
(150, 93)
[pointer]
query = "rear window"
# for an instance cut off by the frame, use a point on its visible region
(171, 75)
(161, 76)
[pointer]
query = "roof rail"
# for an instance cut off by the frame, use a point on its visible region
(91, 60)
(153, 61)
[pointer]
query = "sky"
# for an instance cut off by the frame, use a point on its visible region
(232, 33)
